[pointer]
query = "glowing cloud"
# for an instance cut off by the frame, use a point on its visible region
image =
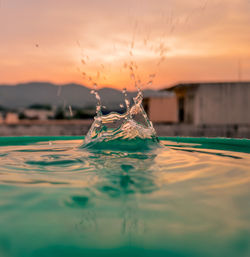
(96, 41)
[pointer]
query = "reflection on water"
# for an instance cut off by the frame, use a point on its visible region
(178, 200)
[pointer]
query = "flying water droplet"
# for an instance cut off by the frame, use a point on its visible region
(70, 111)
(149, 83)
(59, 90)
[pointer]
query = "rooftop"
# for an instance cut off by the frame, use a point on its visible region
(196, 84)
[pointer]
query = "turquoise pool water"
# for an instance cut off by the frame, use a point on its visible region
(186, 197)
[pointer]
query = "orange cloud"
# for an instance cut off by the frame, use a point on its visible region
(74, 41)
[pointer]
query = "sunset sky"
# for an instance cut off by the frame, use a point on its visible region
(166, 41)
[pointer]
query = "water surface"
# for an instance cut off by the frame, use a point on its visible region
(185, 197)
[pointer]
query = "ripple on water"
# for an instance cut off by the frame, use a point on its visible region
(54, 163)
(78, 201)
(128, 171)
(164, 198)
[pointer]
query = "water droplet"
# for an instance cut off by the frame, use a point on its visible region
(132, 76)
(70, 111)
(59, 90)
(127, 102)
(150, 82)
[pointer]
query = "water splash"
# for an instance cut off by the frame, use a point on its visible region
(98, 99)
(131, 130)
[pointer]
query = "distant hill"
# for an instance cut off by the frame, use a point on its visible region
(24, 95)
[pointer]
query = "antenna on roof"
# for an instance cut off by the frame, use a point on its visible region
(239, 69)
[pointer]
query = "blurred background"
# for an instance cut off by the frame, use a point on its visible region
(192, 60)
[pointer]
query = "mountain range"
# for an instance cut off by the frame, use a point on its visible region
(26, 94)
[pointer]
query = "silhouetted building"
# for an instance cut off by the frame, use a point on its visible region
(225, 103)
(1, 118)
(161, 108)
(11, 118)
(38, 114)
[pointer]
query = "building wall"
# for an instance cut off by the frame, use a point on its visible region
(222, 104)
(190, 105)
(11, 118)
(186, 104)
(39, 114)
(163, 109)
(1, 118)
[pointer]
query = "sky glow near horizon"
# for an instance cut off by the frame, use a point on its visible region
(96, 41)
